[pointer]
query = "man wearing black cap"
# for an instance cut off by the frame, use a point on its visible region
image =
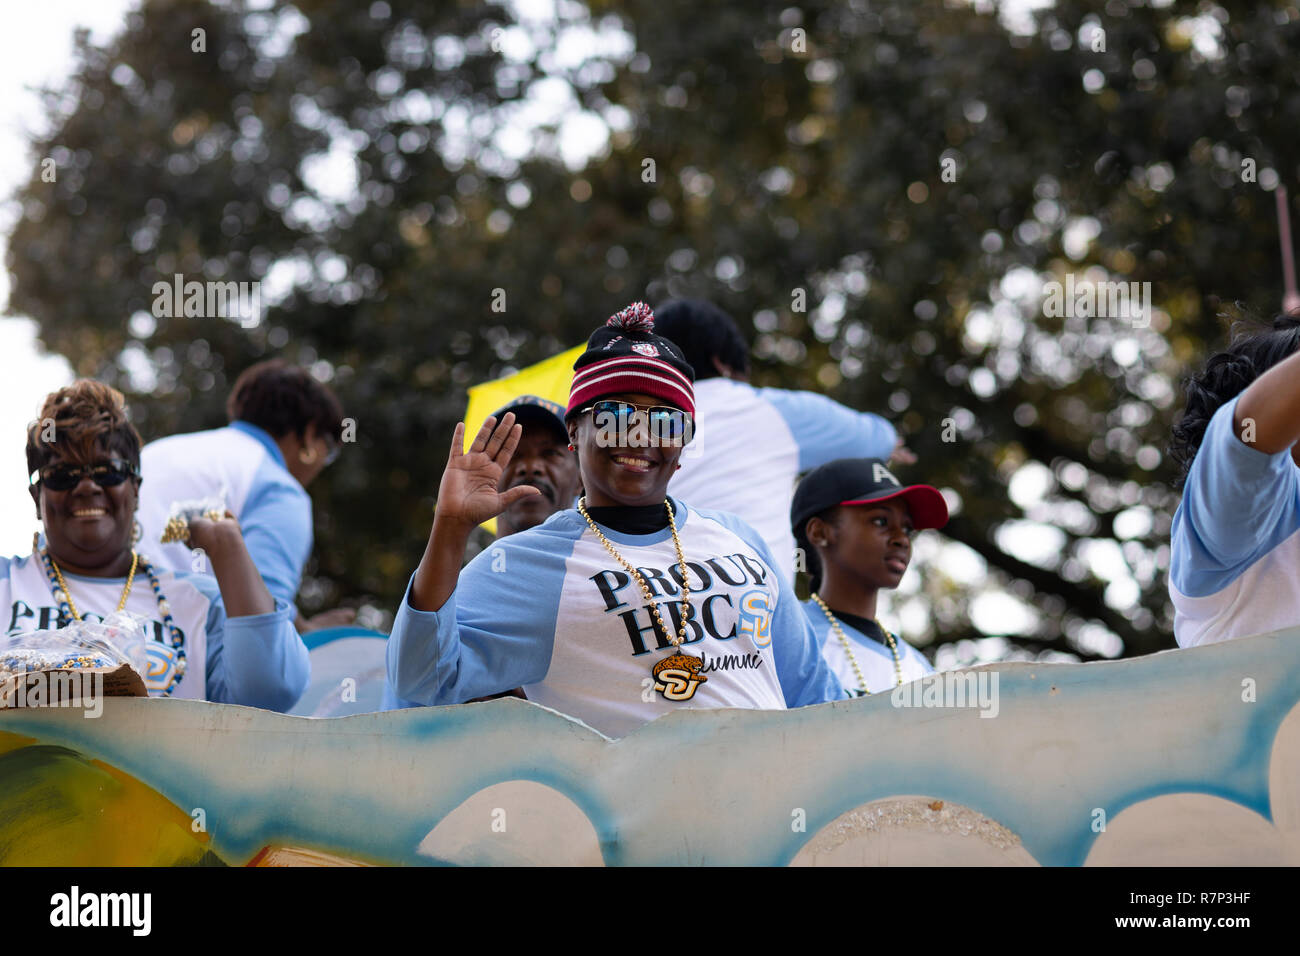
(543, 460)
(855, 521)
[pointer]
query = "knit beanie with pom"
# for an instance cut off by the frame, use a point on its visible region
(624, 355)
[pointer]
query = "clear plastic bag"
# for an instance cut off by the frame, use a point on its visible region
(182, 512)
(115, 648)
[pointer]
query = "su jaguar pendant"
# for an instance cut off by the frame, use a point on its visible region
(678, 675)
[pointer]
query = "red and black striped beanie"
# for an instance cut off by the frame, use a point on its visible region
(625, 355)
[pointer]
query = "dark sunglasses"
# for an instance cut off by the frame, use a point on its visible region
(106, 474)
(664, 422)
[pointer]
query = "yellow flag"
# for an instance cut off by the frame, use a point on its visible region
(549, 379)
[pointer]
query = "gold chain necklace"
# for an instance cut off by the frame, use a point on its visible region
(676, 676)
(67, 595)
(853, 661)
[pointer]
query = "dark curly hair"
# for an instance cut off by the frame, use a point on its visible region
(1255, 348)
(703, 332)
(89, 419)
(284, 399)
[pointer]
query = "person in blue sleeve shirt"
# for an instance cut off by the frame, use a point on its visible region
(542, 460)
(626, 607)
(754, 442)
(1234, 546)
(222, 639)
(285, 428)
(856, 522)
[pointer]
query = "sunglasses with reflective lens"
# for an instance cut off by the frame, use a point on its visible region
(665, 423)
(106, 474)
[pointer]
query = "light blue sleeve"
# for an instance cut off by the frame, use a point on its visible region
(276, 522)
(257, 660)
(390, 701)
(1238, 505)
(803, 673)
(825, 430)
(496, 631)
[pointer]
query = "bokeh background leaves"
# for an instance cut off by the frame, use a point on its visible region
(383, 169)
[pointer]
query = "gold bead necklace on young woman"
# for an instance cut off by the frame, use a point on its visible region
(853, 661)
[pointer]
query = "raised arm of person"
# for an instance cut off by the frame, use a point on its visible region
(825, 430)
(255, 656)
(440, 652)
(1241, 498)
(242, 589)
(276, 526)
(1268, 412)
(467, 496)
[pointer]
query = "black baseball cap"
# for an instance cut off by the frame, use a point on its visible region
(532, 410)
(861, 481)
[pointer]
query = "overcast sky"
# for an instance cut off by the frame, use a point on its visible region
(35, 50)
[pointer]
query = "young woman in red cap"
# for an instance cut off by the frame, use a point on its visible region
(855, 522)
(627, 607)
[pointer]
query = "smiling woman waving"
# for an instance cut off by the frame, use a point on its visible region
(626, 607)
(227, 640)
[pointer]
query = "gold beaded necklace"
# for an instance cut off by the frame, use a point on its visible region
(853, 661)
(677, 676)
(67, 594)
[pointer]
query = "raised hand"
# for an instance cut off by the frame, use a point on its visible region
(243, 591)
(469, 493)
(902, 455)
(212, 534)
(468, 496)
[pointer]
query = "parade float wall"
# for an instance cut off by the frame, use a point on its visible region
(1182, 757)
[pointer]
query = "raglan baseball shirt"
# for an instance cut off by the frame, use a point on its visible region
(874, 657)
(258, 660)
(755, 442)
(273, 509)
(1234, 541)
(550, 609)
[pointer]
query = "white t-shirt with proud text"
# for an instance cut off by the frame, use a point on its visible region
(258, 660)
(549, 609)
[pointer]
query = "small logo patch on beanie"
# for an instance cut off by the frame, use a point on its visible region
(646, 349)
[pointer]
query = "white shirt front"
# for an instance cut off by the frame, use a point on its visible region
(28, 605)
(874, 660)
(550, 609)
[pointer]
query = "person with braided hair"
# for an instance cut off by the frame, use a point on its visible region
(1235, 540)
(628, 605)
(222, 639)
